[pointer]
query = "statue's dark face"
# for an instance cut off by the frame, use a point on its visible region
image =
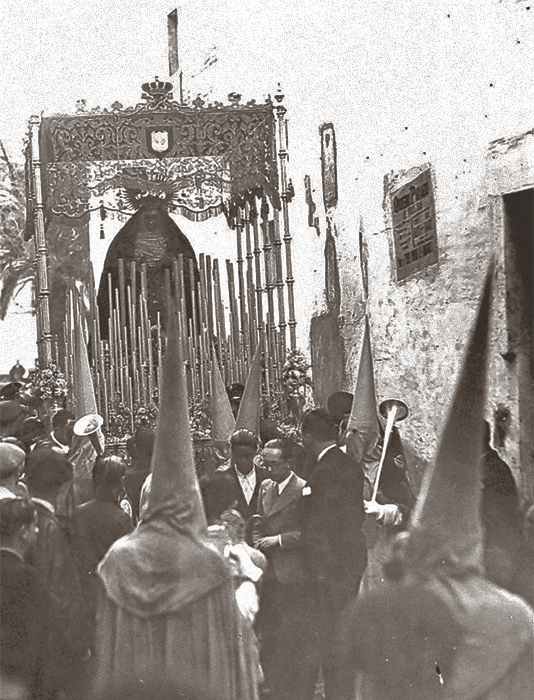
(151, 218)
(153, 238)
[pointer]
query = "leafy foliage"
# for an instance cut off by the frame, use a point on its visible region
(16, 254)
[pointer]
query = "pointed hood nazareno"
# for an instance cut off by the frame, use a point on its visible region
(446, 525)
(167, 563)
(248, 416)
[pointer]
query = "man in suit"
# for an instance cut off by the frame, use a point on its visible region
(242, 468)
(140, 448)
(276, 532)
(334, 547)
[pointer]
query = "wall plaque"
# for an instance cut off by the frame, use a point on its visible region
(414, 226)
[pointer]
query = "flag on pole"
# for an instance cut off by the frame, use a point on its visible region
(222, 418)
(172, 31)
(364, 258)
(446, 524)
(363, 429)
(82, 452)
(248, 416)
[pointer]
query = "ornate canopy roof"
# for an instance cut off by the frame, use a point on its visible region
(205, 158)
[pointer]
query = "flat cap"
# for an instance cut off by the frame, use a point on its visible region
(11, 459)
(10, 411)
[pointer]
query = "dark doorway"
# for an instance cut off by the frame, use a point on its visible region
(519, 262)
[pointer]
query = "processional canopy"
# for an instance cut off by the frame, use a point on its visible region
(202, 158)
(139, 165)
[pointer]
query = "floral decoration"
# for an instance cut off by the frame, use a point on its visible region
(48, 385)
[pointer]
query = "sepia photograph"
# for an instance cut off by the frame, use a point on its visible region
(266, 350)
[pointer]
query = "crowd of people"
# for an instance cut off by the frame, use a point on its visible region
(279, 574)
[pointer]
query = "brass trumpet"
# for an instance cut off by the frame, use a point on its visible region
(89, 426)
(394, 411)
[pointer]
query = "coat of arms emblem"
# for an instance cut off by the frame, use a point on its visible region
(159, 141)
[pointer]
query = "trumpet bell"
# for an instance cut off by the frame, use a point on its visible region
(386, 406)
(87, 425)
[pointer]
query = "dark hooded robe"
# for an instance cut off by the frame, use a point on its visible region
(167, 620)
(437, 628)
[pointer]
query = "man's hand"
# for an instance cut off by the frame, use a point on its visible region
(264, 543)
(387, 514)
(372, 508)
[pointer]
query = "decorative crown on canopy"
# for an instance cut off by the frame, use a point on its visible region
(157, 92)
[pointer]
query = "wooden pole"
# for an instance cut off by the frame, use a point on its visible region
(132, 306)
(106, 383)
(70, 333)
(209, 299)
(93, 313)
(114, 360)
(219, 318)
(234, 318)
(148, 331)
(267, 359)
(130, 400)
(160, 350)
(204, 350)
(96, 367)
(184, 326)
(194, 299)
(122, 292)
(120, 357)
(133, 354)
(269, 272)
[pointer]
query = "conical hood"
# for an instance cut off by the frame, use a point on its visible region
(174, 490)
(222, 417)
(363, 426)
(446, 525)
(248, 416)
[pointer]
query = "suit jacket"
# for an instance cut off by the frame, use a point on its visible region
(280, 515)
(247, 510)
(52, 557)
(332, 519)
(97, 525)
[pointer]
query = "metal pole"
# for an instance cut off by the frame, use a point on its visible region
(283, 155)
(253, 213)
(251, 291)
(241, 283)
(274, 227)
(44, 341)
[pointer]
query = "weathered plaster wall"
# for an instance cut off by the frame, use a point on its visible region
(420, 325)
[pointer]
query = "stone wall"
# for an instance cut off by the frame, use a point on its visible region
(420, 325)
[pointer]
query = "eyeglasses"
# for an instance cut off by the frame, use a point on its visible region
(272, 465)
